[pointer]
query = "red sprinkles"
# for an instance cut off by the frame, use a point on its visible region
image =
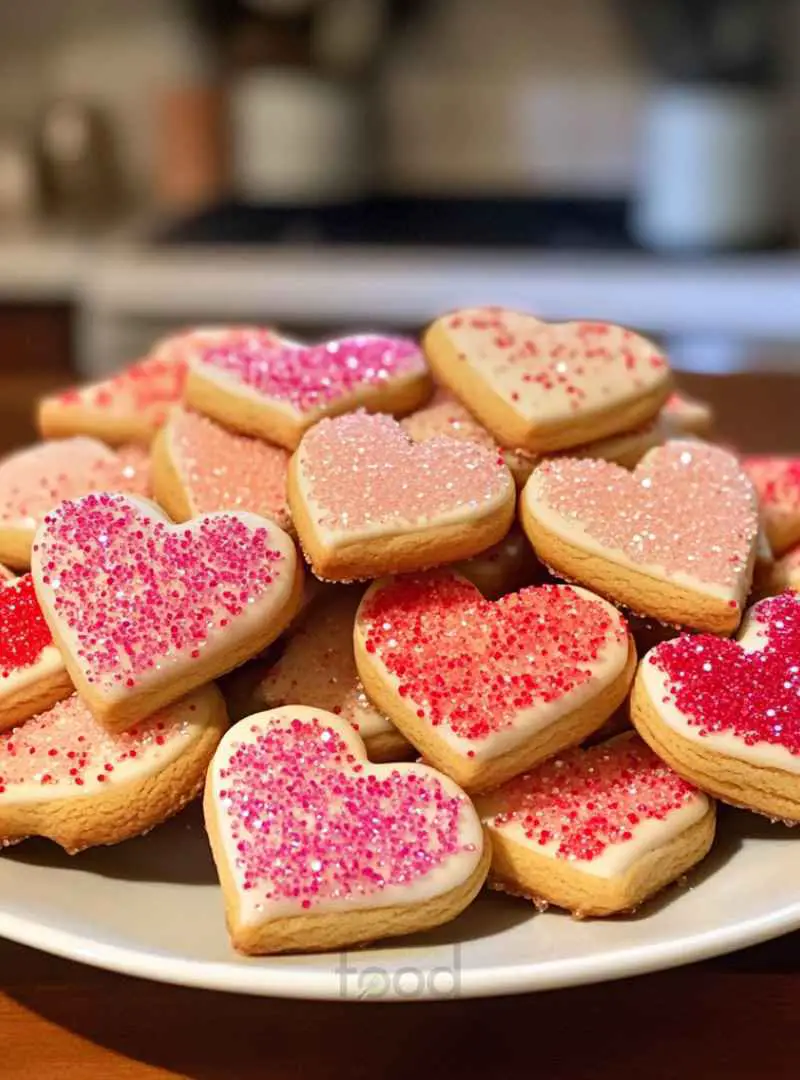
(309, 821)
(23, 632)
(718, 686)
(589, 799)
(473, 664)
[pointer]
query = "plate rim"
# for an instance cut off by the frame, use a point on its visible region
(308, 984)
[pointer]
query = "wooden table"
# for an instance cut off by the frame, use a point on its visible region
(733, 1017)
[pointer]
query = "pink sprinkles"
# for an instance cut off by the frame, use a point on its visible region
(311, 376)
(587, 800)
(311, 822)
(138, 593)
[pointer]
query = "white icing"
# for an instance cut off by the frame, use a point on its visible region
(608, 666)
(254, 908)
(604, 384)
(150, 758)
(770, 755)
(48, 664)
(239, 629)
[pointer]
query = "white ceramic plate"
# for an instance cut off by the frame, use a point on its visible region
(152, 907)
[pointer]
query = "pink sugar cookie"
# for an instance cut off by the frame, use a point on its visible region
(133, 404)
(367, 501)
(317, 668)
(547, 386)
(144, 611)
(726, 714)
(485, 690)
(32, 673)
(277, 391)
(777, 481)
(675, 539)
(596, 831)
(65, 777)
(34, 481)
(200, 467)
(359, 852)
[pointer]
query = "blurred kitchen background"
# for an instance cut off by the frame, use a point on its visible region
(332, 164)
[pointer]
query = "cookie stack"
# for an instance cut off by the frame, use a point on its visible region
(429, 570)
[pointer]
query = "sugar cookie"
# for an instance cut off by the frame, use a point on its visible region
(144, 611)
(785, 574)
(777, 481)
(726, 714)
(675, 539)
(445, 415)
(317, 668)
(278, 391)
(547, 386)
(506, 567)
(596, 831)
(200, 467)
(64, 776)
(35, 480)
(366, 501)
(486, 690)
(32, 674)
(687, 415)
(358, 853)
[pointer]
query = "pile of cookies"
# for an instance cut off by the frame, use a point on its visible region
(408, 564)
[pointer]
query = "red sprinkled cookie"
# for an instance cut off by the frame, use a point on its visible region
(32, 674)
(358, 853)
(596, 831)
(486, 690)
(547, 386)
(200, 467)
(277, 390)
(777, 481)
(317, 668)
(726, 714)
(675, 539)
(64, 776)
(366, 501)
(144, 611)
(34, 481)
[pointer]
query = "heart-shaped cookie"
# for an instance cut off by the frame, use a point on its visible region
(200, 467)
(64, 776)
(777, 481)
(367, 501)
(35, 480)
(726, 714)
(133, 404)
(317, 668)
(318, 849)
(144, 611)
(277, 391)
(547, 386)
(675, 539)
(486, 690)
(32, 674)
(596, 831)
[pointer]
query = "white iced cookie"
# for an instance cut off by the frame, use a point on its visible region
(547, 386)
(65, 777)
(596, 831)
(318, 849)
